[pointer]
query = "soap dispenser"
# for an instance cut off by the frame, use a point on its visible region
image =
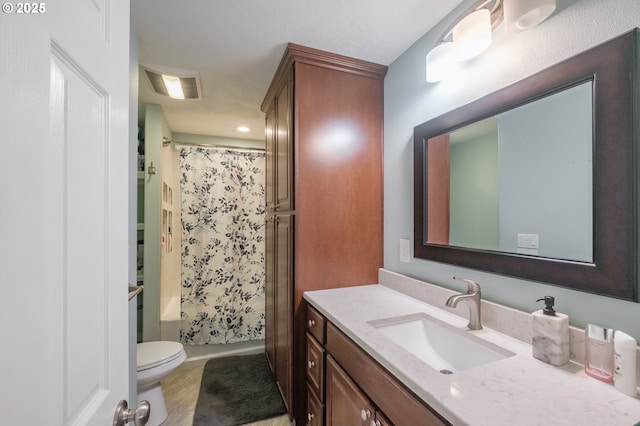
(599, 352)
(550, 341)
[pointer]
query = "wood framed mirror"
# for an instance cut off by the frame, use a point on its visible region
(553, 201)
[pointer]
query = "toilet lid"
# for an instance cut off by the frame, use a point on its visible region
(151, 354)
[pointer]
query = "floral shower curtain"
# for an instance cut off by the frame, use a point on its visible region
(223, 221)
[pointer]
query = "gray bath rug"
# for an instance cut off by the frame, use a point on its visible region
(237, 390)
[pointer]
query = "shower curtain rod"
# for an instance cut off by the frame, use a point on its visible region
(202, 145)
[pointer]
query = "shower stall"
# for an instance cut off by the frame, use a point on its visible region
(203, 228)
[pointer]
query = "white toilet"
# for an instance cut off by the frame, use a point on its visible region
(155, 361)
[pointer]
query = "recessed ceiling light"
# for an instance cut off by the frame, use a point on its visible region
(177, 84)
(243, 129)
(172, 83)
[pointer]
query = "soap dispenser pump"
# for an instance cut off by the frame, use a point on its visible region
(550, 341)
(548, 305)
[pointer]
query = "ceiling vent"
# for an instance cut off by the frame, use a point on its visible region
(190, 84)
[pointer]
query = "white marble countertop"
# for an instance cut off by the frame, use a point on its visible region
(519, 390)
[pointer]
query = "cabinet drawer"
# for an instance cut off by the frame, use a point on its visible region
(316, 324)
(315, 366)
(315, 408)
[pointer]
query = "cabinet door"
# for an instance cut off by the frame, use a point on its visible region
(380, 420)
(271, 323)
(345, 402)
(270, 158)
(284, 305)
(315, 365)
(314, 409)
(284, 151)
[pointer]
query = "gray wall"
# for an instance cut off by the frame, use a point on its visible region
(576, 25)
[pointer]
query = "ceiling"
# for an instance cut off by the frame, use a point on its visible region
(235, 46)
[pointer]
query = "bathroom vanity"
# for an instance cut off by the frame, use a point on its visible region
(359, 370)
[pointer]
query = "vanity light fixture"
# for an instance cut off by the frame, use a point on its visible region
(441, 62)
(470, 35)
(520, 15)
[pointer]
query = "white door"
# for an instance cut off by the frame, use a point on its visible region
(63, 211)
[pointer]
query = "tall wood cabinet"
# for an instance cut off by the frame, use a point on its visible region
(324, 117)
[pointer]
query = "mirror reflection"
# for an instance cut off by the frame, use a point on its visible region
(517, 182)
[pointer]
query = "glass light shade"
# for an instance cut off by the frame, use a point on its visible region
(441, 62)
(520, 15)
(173, 85)
(472, 35)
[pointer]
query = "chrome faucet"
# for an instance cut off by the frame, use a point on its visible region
(472, 298)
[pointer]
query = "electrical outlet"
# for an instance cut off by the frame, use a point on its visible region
(405, 251)
(528, 241)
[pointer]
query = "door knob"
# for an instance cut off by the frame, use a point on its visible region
(124, 415)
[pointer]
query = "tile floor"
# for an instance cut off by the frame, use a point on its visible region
(181, 389)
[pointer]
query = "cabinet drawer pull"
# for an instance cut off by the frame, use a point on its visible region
(311, 364)
(375, 423)
(310, 416)
(311, 323)
(365, 414)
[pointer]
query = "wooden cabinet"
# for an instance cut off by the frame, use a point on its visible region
(381, 420)
(279, 331)
(270, 232)
(279, 243)
(315, 371)
(315, 366)
(346, 404)
(315, 410)
(324, 117)
(283, 150)
(358, 390)
(316, 324)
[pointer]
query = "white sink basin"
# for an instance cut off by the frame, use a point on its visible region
(442, 346)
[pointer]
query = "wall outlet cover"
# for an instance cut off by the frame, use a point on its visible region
(528, 241)
(405, 250)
